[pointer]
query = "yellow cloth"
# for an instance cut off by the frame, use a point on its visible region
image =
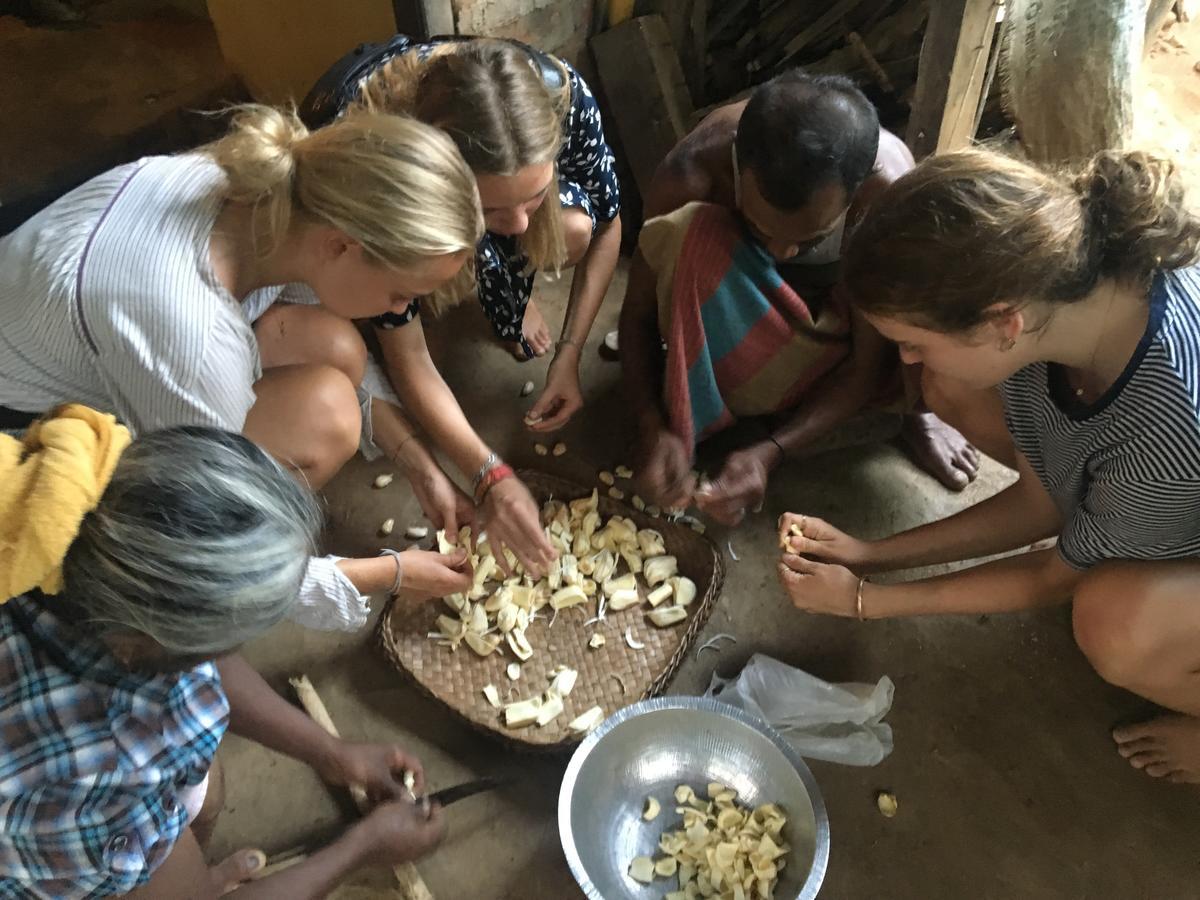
(49, 481)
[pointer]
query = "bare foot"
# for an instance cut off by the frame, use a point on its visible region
(231, 872)
(940, 450)
(1167, 747)
(536, 333)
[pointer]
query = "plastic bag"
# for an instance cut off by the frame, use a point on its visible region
(835, 722)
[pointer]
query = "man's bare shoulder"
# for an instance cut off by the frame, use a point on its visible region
(893, 158)
(696, 167)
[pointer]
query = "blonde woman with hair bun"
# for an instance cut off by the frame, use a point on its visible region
(145, 293)
(530, 129)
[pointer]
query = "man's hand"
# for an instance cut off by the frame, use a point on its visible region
(379, 768)
(741, 485)
(399, 832)
(664, 469)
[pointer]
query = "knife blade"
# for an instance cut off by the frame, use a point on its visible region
(447, 796)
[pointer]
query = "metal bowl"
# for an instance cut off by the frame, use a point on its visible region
(647, 750)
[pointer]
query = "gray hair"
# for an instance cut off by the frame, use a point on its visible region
(200, 541)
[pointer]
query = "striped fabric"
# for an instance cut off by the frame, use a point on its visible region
(96, 759)
(107, 298)
(740, 341)
(1124, 471)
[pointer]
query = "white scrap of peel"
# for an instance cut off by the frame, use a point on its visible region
(714, 643)
(736, 558)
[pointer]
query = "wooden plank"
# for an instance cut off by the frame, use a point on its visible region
(827, 21)
(423, 18)
(686, 22)
(988, 79)
(695, 72)
(968, 74)
(952, 52)
(646, 91)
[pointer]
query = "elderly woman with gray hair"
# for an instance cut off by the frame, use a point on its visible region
(128, 580)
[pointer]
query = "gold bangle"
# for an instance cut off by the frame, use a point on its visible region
(858, 600)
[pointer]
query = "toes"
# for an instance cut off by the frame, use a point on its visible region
(1183, 777)
(1146, 759)
(239, 867)
(1141, 745)
(956, 479)
(1159, 769)
(1138, 732)
(517, 351)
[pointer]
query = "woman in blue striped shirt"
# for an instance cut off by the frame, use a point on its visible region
(1058, 321)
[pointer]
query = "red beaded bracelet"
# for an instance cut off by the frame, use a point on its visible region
(493, 476)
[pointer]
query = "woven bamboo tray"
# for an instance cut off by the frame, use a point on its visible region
(610, 677)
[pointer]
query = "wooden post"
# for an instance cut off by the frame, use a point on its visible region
(423, 18)
(951, 73)
(408, 880)
(646, 91)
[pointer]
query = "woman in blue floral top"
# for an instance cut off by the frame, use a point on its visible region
(529, 127)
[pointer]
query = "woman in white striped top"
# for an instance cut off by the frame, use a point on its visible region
(1079, 299)
(143, 293)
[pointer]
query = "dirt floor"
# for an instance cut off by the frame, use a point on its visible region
(1008, 783)
(1168, 107)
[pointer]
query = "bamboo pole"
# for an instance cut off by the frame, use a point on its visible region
(409, 882)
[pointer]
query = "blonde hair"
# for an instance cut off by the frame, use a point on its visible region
(488, 97)
(964, 231)
(398, 187)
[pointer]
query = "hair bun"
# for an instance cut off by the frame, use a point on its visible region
(1136, 214)
(261, 150)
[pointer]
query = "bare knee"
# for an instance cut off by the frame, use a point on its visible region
(297, 335)
(346, 350)
(577, 234)
(1110, 627)
(331, 405)
(307, 417)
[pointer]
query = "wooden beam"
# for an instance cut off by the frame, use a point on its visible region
(953, 67)
(423, 18)
(968, 75)
(824, 23)
(646, 91)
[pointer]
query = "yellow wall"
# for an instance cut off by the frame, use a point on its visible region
(280, 47)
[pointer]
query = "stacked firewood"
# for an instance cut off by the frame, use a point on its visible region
(728, 47)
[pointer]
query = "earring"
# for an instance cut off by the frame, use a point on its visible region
(1008, 345)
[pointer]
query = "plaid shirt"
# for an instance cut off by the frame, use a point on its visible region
(93, 758)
